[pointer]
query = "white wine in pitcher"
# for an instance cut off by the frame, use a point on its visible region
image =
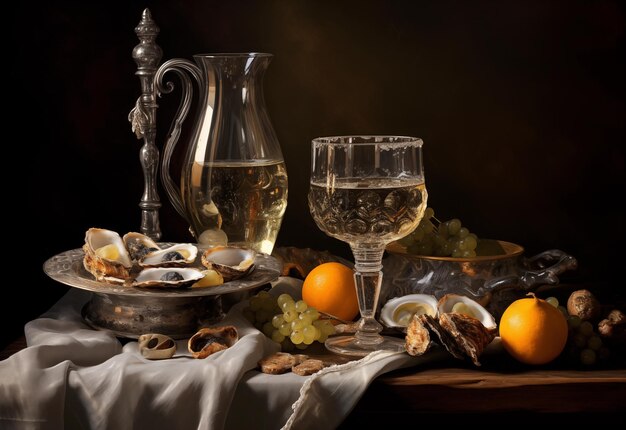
(240, 203)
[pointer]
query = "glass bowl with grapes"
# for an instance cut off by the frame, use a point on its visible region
(442, 257)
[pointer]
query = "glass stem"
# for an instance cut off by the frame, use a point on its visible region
(368, 278)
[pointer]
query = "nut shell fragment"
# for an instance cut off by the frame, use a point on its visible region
(154, 346)
(210, 340)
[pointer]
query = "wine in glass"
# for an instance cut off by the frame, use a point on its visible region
(367, 191)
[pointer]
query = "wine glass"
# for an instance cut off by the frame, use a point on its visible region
(367, 191)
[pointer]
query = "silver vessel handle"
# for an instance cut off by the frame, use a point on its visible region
(183, 68)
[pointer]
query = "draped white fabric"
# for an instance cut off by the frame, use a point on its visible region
(71, 376)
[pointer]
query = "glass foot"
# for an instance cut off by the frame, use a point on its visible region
(349, 345)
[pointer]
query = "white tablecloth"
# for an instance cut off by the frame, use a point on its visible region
(75, 377)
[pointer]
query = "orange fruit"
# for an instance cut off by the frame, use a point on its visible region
(329, 288)
(533, 331)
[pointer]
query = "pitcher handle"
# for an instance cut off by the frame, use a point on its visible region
(178, 66)
(548, 264)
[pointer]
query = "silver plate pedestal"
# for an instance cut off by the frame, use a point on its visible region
(131, 311)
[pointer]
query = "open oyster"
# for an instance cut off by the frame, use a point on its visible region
(177, 255)
(455, 303)
(167, 277)
(399, 311)
(139, 245)
(230, 262)
(106, 257)
(208, 341)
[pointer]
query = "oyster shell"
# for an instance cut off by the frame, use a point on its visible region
(417, 340)
(210, 340)
(139, 245)
(154, 346)
(106, 257)
(230, 262)
(469, 334)
(180, 254)
(461, 335)
(399, 311)
(167, 277)
(464, 305)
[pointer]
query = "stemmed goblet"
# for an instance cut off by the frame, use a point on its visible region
(367, 191)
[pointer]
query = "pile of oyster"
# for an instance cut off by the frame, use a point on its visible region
(136, 260)
(461, 325)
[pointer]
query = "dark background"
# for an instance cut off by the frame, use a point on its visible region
(520, 105)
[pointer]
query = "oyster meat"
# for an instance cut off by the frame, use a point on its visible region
(167, 277)
(210, 340)
(106, 257)
(177, 255)
(231, 262)
(139, 245)
(154, 346)
(399, 311)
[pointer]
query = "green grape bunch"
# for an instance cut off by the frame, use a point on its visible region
(292, 324)
(584, 344)
(442, 239)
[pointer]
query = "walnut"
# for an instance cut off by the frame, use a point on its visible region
(613, 326)
(584, 305)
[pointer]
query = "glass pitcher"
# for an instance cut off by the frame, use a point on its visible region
(233, 187)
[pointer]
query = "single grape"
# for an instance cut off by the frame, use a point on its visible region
(312, 313)
(302, 346)
(278, 320)
(290, 315)
(269, 304)
(268, 329)
(306, 319)
(285, 329)
(574, 321)
(454, 225)
(585, 328)
(463, 233)
(594, 343)
(309, 334)
(283, 298)
(263, 315)
(288, 306)
(255, 303)
(429, 213)
(327, 328)
(277, 336)
(553, 301)
(469, 243)
(579, 340)
(297, 324)
(587, 356)
(264, 295)
(297, 337)
(301, 306)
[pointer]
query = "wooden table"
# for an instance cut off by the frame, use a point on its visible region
(501, 389)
